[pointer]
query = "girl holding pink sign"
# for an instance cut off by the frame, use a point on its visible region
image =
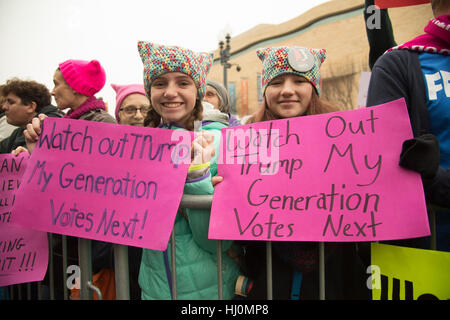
(291, 88)
(175, 82)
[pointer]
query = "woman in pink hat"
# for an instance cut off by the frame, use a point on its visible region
(132, 105)
(75, 84)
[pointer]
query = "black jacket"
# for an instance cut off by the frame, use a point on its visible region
(17, 138)
(398, 74)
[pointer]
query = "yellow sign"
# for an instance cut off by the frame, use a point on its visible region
(400, 273)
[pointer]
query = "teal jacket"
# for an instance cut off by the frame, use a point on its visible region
(196, 255)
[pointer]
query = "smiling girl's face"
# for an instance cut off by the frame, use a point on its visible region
(173, 97)
(289, 95)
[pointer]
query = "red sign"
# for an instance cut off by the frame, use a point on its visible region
(383, 4)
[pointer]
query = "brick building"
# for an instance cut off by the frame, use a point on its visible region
(337, 26)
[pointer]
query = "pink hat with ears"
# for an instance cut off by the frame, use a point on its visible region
(85, 77)
(122, 91)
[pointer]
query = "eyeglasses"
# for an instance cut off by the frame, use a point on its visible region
(131, 111)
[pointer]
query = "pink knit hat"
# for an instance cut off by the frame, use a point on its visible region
(85, 77)
(122, 91)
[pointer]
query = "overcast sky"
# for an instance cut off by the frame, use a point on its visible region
(36, 35)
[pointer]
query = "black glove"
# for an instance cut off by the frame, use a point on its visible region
(422, 155)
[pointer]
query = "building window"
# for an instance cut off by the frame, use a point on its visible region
(259, 87)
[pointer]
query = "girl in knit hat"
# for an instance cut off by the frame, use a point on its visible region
(291, 88)
(291, 83)
(132, 104)
(175, 82)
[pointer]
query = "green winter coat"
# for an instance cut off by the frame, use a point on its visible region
(196, 256)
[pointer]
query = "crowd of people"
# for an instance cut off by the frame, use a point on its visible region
(176, 93)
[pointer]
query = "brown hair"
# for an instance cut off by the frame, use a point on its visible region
(2, 100)
(316, 106)
(153, 119)
(28, 92)
(440, 7)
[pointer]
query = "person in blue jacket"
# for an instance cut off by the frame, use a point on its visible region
(175, 83)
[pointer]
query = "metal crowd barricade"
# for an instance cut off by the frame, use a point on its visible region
(121, 263)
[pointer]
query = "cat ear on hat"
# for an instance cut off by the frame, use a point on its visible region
(206, 59)
(94, 67)
(320, 55)
(262, 53)
(115, 87)
(144, 48)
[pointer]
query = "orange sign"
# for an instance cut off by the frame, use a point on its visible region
(244, 97)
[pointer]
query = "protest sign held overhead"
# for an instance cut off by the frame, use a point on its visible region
(384, 4)
(23, 252)
(329, 177)
(118, 184)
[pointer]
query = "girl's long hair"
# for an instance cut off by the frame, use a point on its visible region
(153, 119)
(316, 106)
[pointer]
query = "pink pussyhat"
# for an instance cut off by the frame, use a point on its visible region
(85, 77)
(122, 91)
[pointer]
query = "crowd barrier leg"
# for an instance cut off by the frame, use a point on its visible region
(94, 288)
(39, 291)
(269, 270)
(84, 256)
(174, 266)
(219, 270)
(122, 275)
(321, 270)
(51, 268)
(65, 259)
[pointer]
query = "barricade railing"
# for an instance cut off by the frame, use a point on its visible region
(121, 263)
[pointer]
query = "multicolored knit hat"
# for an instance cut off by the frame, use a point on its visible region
(159, 59)
(301, 61)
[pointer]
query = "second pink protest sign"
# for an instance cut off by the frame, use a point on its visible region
(330, 177)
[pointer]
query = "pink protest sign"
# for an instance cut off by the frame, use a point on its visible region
(107, 182)
(330, 177)
(23, 253)
(11, 172)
